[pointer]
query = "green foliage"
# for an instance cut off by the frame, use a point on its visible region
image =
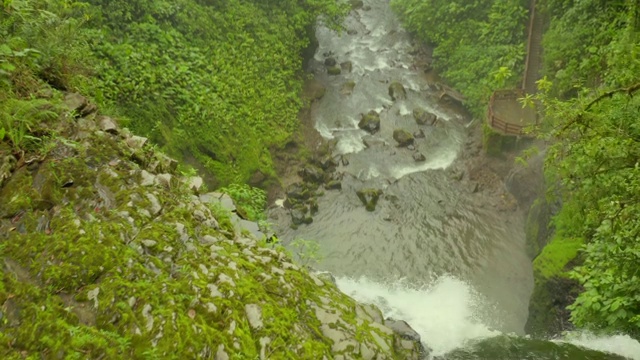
(19, 118)
(591, 43)
(479, 45)
(595, 164)
(250, 201)
(182, 84)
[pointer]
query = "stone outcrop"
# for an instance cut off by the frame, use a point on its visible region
(102, 240)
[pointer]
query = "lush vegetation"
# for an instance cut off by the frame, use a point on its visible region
(592, 56)
(479, 44)
(216, 83)
(591, 63)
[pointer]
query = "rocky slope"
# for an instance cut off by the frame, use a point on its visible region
(107, 252)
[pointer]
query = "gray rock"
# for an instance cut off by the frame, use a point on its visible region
(254, 315)
(75, 102)
(136, 142)
(146, 178)
(418, 157)
(219, 198)
(221, 354)
(146, 313)
(149, 243)
(156, 207)
(107, 125)
(419, 134)
(164, 180)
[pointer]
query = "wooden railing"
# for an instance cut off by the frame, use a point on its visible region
(502, 125)
(532, 18)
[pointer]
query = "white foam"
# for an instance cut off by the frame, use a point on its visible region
(350, 143)
(443, 313)
(622, 345)
(441, 162)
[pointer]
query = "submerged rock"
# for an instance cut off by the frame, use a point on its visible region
(369, 198)
(347, 87)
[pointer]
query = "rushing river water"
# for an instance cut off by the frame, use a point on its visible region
(431, 253)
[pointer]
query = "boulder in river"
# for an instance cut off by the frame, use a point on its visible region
(397, 91)
(334, 70)
(369, 197)
(330, 61)
(424, 117)
(370, 122)
(403, 137)
(419, 157)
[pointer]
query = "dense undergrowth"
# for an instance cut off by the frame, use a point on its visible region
(479, 45)
(215, 83)
(591, 66)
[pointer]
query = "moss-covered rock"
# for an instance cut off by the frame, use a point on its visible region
(403, 137)
(553, 289)
(369, 197)
(397, 91)
(101, 261)
(334, 70)
(370, 122)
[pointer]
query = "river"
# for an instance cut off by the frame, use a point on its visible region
(433, 252)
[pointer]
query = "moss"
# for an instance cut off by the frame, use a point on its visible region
(554, 257)
(495, 143)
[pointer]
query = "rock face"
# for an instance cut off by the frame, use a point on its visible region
(370, 122)
(135, 266)
(397, 91)
(403, 137)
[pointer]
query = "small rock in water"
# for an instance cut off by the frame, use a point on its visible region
(411, 147)
(352, 32)
(418, 157)
(403, 137)
(419, 134)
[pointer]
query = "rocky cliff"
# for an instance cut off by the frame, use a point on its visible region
(107, 252)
